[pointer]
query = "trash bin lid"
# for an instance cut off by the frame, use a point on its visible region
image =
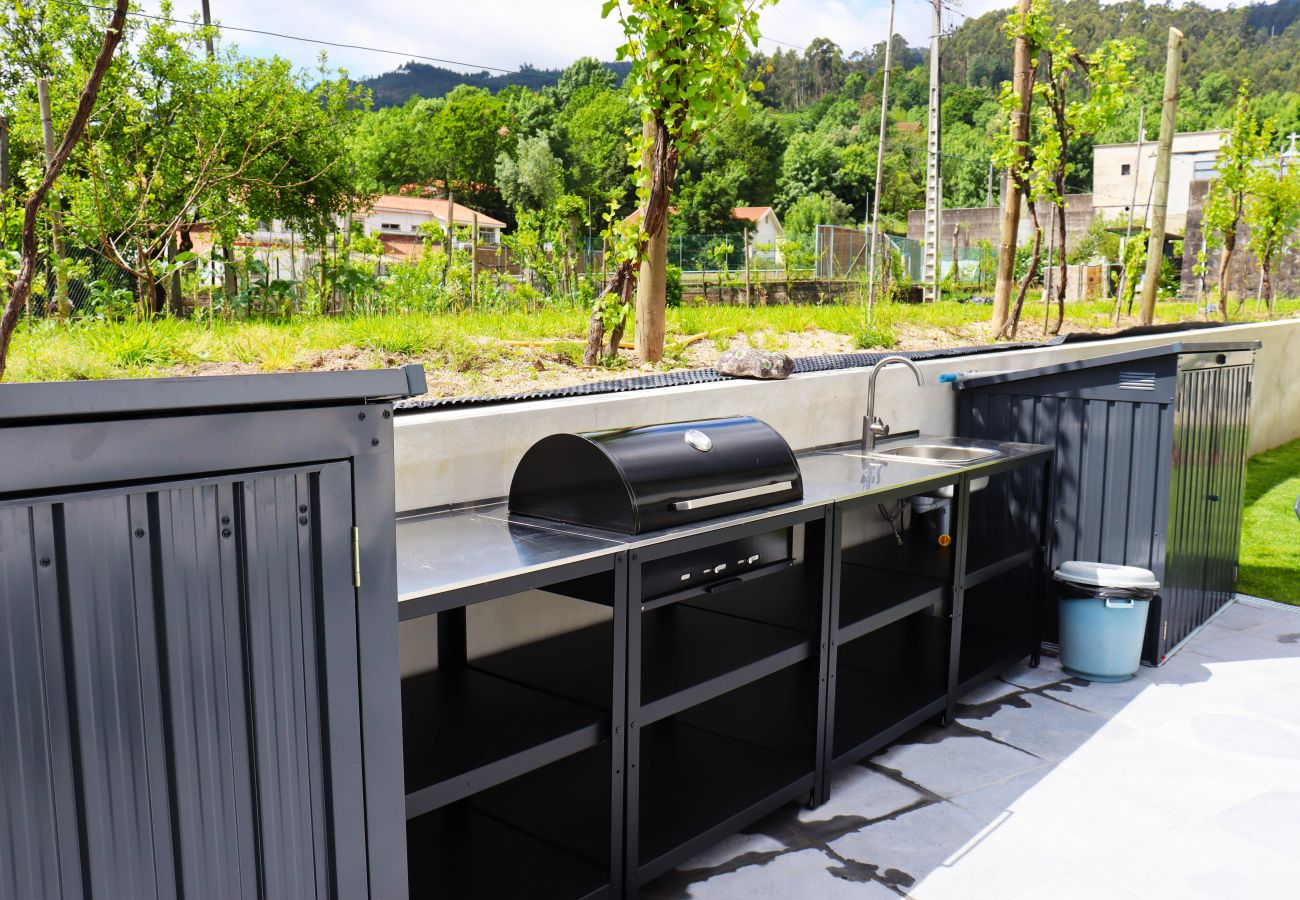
(1109, 575)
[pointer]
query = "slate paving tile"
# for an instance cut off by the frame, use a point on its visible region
(865, 793)
(1167, 774)
(1203, 859)
(1281, 703)
(1042, 726)
(949, 762)
(806, 873)
(1049, 671)
(1271, 820)
(1082, 886)
(1039, 805)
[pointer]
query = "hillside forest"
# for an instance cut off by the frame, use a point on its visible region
(186, 139)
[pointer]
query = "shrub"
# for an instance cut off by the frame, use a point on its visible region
(871, 337)
(672, 287)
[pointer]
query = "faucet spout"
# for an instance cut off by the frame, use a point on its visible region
(872, 427)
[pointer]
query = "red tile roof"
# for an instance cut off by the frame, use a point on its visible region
(435, 207)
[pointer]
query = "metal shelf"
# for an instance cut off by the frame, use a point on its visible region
(872, 710)
(462, 852)
(873, 598)
(915, 556)
(698, 786)
(465, 731)
(690, 655)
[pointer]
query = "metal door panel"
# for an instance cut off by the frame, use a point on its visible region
(206, 742)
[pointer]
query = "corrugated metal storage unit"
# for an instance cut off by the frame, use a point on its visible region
(185, 643)
(1150, 465)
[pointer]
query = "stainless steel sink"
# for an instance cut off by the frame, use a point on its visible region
(937, 454)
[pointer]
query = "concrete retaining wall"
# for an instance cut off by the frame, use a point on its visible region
(461, 455)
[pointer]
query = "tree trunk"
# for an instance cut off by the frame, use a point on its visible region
(661, 172)
(22, 283)
(651, 299)
(1268, 288)
(1013, 322)
(1023, 84)
(1229, 245)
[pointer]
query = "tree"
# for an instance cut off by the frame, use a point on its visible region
(811, 210)
(1077, 95)
(1247, 143)
(584, 72)
(533, 178)
(688, 75)
(593, 130)
(21, 286)
(1273, 214)
(190, 139)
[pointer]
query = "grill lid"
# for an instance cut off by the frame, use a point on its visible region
(634, 480)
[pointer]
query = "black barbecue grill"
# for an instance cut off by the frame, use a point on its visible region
(634, 480)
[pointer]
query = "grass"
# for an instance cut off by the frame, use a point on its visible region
(1270, 534)
(470, 343)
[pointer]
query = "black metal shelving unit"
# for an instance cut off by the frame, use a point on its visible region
(599, 758)
(919, 621)
(514, 759)
(724, 699)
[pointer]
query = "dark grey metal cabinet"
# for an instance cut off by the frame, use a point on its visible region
(184, 656)
(1150, 465)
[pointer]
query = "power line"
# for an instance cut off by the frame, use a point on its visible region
(324, 43)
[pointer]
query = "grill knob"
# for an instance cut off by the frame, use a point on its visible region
(699, 440)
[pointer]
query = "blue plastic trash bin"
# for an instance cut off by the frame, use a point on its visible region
(1103, 609)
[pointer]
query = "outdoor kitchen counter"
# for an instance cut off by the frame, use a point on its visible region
(460, 549)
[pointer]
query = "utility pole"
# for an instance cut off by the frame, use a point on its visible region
(207, 24)
(933, 186)
(228, 274)
(56, 205)
(1011, 196)
(880, 164)
(988, 199)
(1168, 115)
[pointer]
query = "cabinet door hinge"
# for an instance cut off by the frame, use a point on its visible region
(356, 556)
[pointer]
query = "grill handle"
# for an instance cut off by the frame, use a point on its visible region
(744, 494)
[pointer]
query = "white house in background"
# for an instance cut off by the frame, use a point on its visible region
(1118, 168)
(398, 214)
(765, 225)
(762, 221)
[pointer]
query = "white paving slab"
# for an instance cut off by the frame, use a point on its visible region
(1182, 783)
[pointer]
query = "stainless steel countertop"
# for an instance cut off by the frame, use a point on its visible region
(443, 551)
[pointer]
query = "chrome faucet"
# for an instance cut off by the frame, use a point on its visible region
(872, 427)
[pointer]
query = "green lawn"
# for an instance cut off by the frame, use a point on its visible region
(1270, 537)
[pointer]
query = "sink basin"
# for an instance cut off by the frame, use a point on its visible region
(937, 454)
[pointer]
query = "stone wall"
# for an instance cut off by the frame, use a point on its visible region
(1243, 271)
(799, 293)
(984, 223)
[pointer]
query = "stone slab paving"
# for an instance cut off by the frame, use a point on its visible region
(1182, 783)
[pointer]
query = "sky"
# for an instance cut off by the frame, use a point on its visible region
(546, 33)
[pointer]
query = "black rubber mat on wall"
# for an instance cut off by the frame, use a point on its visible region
(803, 365)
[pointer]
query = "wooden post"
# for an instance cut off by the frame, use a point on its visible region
(1159, 204)
(1011, 196)
(473, 261)
(748, 298)
(880, 167)
(56, 205)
